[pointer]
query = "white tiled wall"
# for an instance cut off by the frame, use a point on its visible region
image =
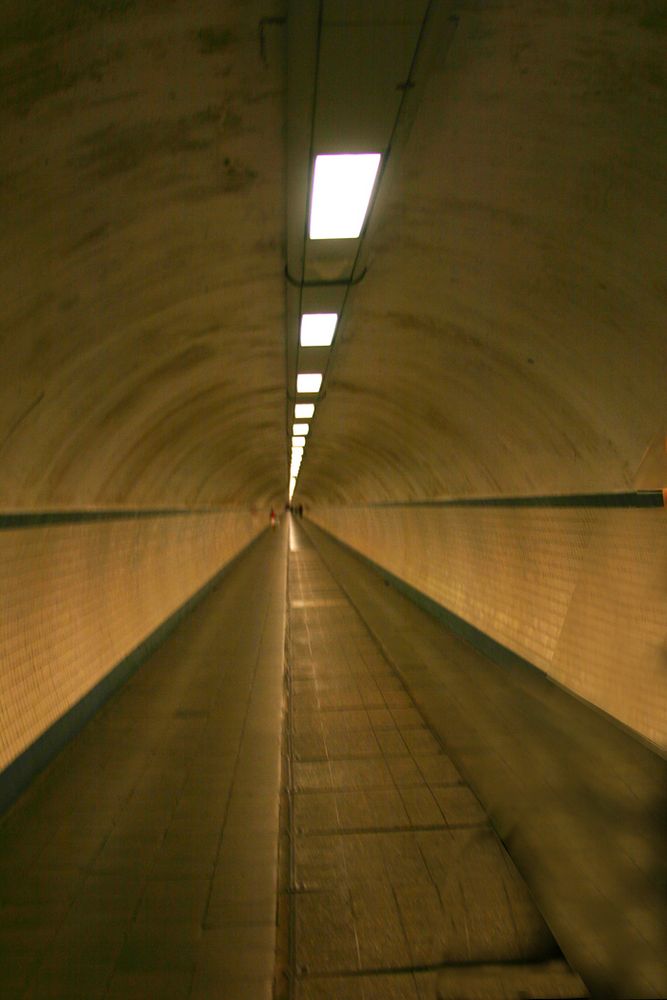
(580, 592)
(77, 598)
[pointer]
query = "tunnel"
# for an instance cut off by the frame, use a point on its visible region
(333, 472)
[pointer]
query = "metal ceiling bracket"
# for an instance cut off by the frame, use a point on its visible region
(343, 282)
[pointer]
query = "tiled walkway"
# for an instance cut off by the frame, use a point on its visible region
(396, 872)
(142, 864)
(579, 803)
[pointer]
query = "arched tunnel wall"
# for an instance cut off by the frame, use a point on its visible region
(79, 597)
(578, 592)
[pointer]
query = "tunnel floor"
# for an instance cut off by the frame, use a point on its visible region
(144, 861)
(399, 885)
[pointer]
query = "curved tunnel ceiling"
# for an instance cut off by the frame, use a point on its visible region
(510, 335)
(142, 226)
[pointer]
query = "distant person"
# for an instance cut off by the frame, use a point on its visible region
(272, 518)
(300, 510)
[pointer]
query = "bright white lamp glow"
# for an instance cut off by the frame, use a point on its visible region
(292, 484)
(300, 428)
(298, 442)
(342, 188)
(304, 410)
(317, 329)
(297, 453)
(308, 382)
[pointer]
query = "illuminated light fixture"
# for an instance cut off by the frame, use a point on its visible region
(342, 188)
(298, 442)
(304, 410)
(317, 329)
(300, 428)
(308, 382)
(292, 484)
(297, 453)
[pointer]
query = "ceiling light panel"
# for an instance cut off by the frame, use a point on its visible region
(298, 442)
(308, 382)
(298, 429)
(342, 188)
(317, 329)
(304, 411)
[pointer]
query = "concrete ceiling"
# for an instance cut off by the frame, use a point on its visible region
(510, 335)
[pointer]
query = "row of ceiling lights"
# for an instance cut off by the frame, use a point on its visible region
(341, 192)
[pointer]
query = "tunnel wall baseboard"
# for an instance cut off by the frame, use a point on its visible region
(83, 605)
(577, 593)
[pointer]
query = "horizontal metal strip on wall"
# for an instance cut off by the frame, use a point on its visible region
(40, 519)
(638, 498)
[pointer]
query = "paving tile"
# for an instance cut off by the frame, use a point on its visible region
(420, 741)
(66, 976)
(381, 718)
(235, 988)
(396, 987)
(553, 979)
(173, 901)
(377, 921)
(407, 717)
(321, 862)
(89, 937)
(403, 859)
(18, 967)
(234, 952)
(405, 772)
(40, 886)
(172, 984)
(391, 743)
(326, 939)
(421, 806)
(333, 988)
(346, 719)
(425, 922)
(309, 746)
(312, 775)
(366, 773)
(354, 810)
(352, 744)
(317, 811)
(159, 948)
(387, 808)
(459, 805)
